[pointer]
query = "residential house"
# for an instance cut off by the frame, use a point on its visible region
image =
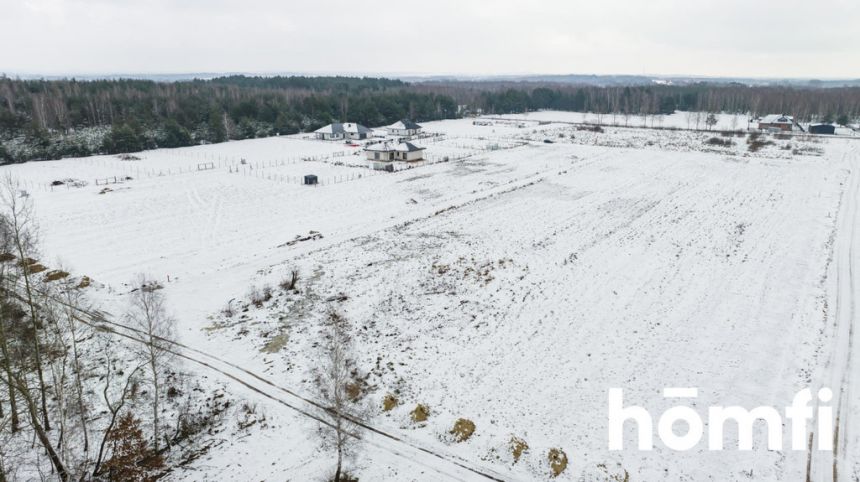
(381, 155)
(776, 122)
(404, 127)
(342, 131)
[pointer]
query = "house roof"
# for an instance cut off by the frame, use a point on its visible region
(380, 147)
(777, 119)
(404, 124)
(341, 128)
(388, 147)
(408, 147)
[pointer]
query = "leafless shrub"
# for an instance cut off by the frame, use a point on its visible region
(716, 141)
(255, 296)
(228, 311)
(289, 283)
(755, 143)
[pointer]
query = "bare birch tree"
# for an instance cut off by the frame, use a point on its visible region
(334, 378)
(147, 312)
(22, 232)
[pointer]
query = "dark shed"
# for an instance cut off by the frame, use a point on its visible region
(310, 179)
(822, 129)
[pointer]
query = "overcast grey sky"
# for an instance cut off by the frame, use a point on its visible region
(761, 38)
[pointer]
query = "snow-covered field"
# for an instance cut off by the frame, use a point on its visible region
(512, 288)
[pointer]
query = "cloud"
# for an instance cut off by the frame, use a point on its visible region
(725, 37)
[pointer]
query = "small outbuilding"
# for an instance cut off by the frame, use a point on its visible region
(404, 127)
(822, 129)
(342, 131)
(310, 180)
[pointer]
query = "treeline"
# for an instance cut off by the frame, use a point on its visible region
(829, 105)
(45, 119)
(53, 119)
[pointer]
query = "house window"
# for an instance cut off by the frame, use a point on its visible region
(376, 156)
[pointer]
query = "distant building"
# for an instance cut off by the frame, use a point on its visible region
(342, 131)
(383, 154)
(778, 122)
(822, 129)
(404, 127)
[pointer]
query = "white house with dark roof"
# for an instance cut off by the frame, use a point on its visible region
(404, 127)
(384, 153)
(342, 131)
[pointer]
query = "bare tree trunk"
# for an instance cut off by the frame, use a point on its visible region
(36, 345)
(71, 303)
(7, 369)
(40, 431)
(155, 385)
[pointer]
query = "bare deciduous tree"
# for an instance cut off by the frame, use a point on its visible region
(148, 313)
(41, 432)
(22, 232)
(114, 403)
(334, 378)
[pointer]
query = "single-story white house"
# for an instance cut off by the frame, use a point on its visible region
(404, 127)
(346, 130)
(384, 153)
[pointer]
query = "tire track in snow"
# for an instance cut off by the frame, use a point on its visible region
(841, 374)
(456, 470)
(847, 319)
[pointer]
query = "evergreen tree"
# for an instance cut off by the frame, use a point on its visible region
(217, 130)
(174, 135)
(123, 138)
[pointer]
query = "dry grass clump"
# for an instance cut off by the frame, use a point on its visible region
(716, 141)
(353, 391)
(277, 343)
(755, 143)
(259, 296)
(85, 282)
(591, 128)
(463, 429)
(557, 461)
(518, 447)
(420, 413)
(26, 262)
(54, 275)
(618, 474)
(6, 257)
(344, 477)
(34, 268)
(389, 402)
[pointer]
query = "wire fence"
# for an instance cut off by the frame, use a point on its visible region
(208, 162)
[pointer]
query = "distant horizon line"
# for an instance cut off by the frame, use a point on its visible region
(190, 75)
